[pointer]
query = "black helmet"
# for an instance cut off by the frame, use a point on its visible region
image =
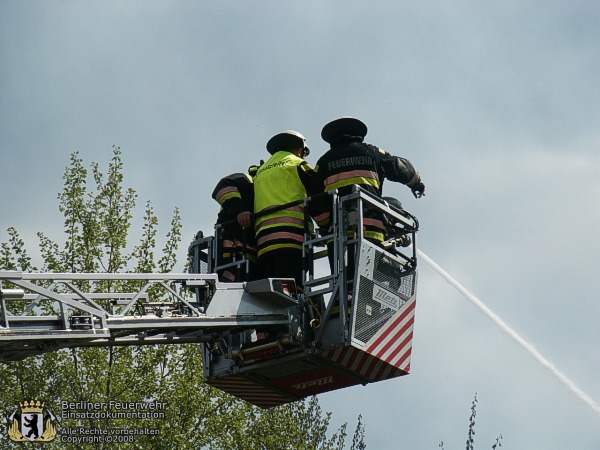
(287, 140)
(344, 126)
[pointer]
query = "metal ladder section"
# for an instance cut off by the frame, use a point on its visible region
(42, 312)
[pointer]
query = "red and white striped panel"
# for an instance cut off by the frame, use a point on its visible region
(254, 393)
(362, 364)
(393, 342)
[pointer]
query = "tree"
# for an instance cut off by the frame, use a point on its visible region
(97, 225)
(470, 443)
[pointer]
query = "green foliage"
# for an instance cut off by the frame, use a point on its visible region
(358, 441)
(13, 254)
(97, 225)
(498, 442)
(471, 431)
(470, 444)
(144, 252)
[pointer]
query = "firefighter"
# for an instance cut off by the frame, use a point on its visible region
(351, 161)
(286, 177)
(235, 194)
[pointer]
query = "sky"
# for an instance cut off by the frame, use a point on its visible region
(497, 104)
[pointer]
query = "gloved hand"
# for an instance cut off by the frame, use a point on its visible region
(418, 189)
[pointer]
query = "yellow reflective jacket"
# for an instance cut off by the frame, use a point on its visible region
(284, 178)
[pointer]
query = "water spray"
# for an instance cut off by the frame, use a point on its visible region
(513, 334)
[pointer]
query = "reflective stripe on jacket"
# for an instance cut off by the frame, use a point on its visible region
(235, 194)
(280, 181)
(351, 161)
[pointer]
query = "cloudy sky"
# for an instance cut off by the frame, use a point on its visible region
(496, 103)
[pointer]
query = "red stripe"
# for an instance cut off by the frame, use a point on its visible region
(361, 363)
(359, 360)
(410, 308)
(280, 235)
(347, 357)
(278, 220)
(225, 190)
(367, 370)
(378, 369)
(363, 367)
(399, 348)
(406, 345)
(334, 355)
(351, 174)
(385, 371)
(374, 223)
(389, 372)
(404, 359)
(396, 336)
(249, 391)
(373, 367)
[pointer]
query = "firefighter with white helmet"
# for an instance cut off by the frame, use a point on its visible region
(285, 178)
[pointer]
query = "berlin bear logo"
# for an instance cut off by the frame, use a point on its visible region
(32, 422)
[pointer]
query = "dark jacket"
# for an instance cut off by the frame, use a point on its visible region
(350, 162)
(235, 194)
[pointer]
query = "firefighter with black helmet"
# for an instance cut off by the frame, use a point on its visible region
(235, 194)
(285, 178)
(350, 161)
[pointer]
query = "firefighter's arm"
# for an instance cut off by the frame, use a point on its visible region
(321, 207)
(308, 177)
(401, 170)
(313, 183)
(229, 194)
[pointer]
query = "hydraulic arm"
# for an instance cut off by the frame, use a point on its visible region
(43, 312)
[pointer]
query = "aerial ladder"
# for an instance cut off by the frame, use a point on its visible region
(267, 341)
